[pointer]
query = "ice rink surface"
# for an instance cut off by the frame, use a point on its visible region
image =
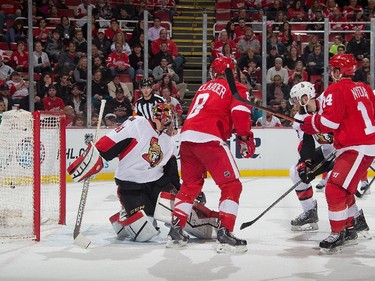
(274, 252)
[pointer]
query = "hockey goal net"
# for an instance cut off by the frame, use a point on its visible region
(32, 172)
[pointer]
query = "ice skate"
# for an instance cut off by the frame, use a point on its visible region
(321, 185)
(332, 243)
(365, 187)
(361, 227)
(176, 236)
(350, 237)
(307, 221)
(227, 242)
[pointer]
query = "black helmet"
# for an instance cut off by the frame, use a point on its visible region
(145, 83)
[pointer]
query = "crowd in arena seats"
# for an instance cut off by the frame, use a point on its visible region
(61, 61)
(291, 58)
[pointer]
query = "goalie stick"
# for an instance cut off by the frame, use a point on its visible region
(79, 238)
(329, 158)
(358, 193)
(236, 95)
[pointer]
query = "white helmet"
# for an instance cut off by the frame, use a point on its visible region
(301, 89)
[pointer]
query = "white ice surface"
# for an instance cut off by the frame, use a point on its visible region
(274, 252)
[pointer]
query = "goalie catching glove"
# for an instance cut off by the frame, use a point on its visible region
(247, 146)
(304, 171)
(86, 165)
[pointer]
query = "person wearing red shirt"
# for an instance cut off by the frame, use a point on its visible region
(217, 47)
(348, 111)
(351, 9)
(118, 62)
(51, 102)
(239, 30)
(19, 58)
(42, 32)
(112, 30)
(211, 117)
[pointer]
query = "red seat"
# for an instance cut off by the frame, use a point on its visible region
(164, 16)
(314, 78)
(223, 5)
(125, 78)
(37, 76)
(298, 26)
(138, 77)
(13, 46)
(4, 46)
(257, 94)
(137, 95)
(223, 16)
(66, 13)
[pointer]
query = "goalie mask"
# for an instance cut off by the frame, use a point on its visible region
(164, 113)
(219, 66)
(301, 90)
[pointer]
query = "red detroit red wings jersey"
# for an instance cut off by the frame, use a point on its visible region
(214, 111)
(348, 110)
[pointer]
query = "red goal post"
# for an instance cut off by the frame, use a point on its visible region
(32, 172)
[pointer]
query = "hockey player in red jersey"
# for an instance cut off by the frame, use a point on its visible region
(209, 123)
(347, 110)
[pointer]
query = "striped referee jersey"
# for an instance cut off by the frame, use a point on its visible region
(144, 107)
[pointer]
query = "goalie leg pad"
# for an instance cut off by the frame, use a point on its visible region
(139, 227)
(87, 164)
(202, 222)
(164, 207)
(116, 221)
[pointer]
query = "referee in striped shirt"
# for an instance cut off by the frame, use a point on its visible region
(145, 104)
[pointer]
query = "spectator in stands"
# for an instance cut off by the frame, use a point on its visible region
(118, 62)
(285, 109)
(309, 48)
(63, 86)
(277, 90)
(113, 29)
(280, 18)
(275, 43)
(124, 17)
(337, 41)
(171, 49)
(239, 30)
(349, 10)
(358, 47)
(121, 39)
(42, 85)
(272, 12)
(168, 98)
(104, 10)
(242, 12)
(277, 69)
(98, 64)
(42, 32)
(120, 106)
(54, 46)
(68, 60)
(315, 7)
(80, 72)
(166, 82)
(76, 99)
(138, 29)
(329, 8)
(285, 36)
(154, 31)
(66, 30)
(110, 120)
(95, 26)
(136, 60)
(269, 121)
(41, 59)
(362, 72)
(102, 43)
(99, 89)
(337, 21)
(228, 52)
(256, 113)
(357, 17)
(315, 61)
(291, 58)
(79, 120)
(81, 11)
(163, 54)
(272, 55)
(247, 57)
(217, 47)
(69, 114)
(19, 89)
(164, 68)
(116, 84)
(16, 32)
(144, 105)
(249, 40)
(19, 59)
(230, 30)
(81, 43)
(297, 74)
(5, 96)
(5, 70)
(369, 10)
(296, 11)
(253, 74)
(51, 102)
(318, 24)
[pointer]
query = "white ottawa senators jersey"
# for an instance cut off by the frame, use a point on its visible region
(142, 152)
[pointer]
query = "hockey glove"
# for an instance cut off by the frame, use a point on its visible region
(307, 126)
(247, 146)
(86, 165)
(304, 171)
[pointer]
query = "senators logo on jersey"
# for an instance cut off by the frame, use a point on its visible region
(154, 155)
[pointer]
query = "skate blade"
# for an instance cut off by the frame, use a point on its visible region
(226, 248)
(364, 234)
(332, 251)
(175, 243)
(305, 227)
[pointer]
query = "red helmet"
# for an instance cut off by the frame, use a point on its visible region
(220, 64)
(345, 62)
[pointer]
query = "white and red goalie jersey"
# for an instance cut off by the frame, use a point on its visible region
(142, 152)
(348, 111)
(214, 111)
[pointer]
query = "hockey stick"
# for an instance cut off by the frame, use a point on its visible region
(236, 95)
(246, 224)
(359, 194)
(79, 238)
